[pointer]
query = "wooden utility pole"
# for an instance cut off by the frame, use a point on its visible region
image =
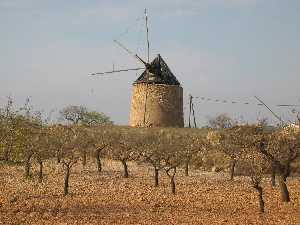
(191, 101)
(147, 32)
(192, 112)
(148, 47)
(195, 124)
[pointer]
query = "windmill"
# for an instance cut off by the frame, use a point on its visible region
(157, 98)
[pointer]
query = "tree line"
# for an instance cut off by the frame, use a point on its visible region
(26, 138)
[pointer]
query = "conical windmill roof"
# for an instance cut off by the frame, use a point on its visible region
(158, 72)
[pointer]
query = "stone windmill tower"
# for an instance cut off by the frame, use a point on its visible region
(157, 98)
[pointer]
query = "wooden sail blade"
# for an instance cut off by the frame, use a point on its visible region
(287, 105)
(116, 71)
(130, 52)
(147, 33)
(125, 48)
(142, 61)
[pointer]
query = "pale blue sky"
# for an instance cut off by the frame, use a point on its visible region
(223, 49)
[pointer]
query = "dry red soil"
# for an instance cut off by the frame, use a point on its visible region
(107, 198)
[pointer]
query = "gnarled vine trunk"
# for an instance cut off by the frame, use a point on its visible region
(84, 156)
(67, 167)
(273, 175)
(6, 155)
(260, 198)
(58, 156)
(156, 175)
(98, 160)
(232, 168)
(66, 182)
(28, 165)
(285, 195)
(171, 175)
(186, 168)
(173, 186)
(40, 171)
(125, 168)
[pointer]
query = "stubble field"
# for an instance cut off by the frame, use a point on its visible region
(107, 198)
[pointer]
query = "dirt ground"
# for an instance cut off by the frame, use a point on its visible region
(107, 198)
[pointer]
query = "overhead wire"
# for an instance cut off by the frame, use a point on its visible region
(203, 100)
(228, 101)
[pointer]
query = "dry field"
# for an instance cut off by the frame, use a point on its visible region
(107, 198)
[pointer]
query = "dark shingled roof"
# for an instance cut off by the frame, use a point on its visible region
(158, 72)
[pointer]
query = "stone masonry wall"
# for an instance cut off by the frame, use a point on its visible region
(164, 106)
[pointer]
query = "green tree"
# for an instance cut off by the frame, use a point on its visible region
(221, 121)
(95, 118)
(81, 115)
